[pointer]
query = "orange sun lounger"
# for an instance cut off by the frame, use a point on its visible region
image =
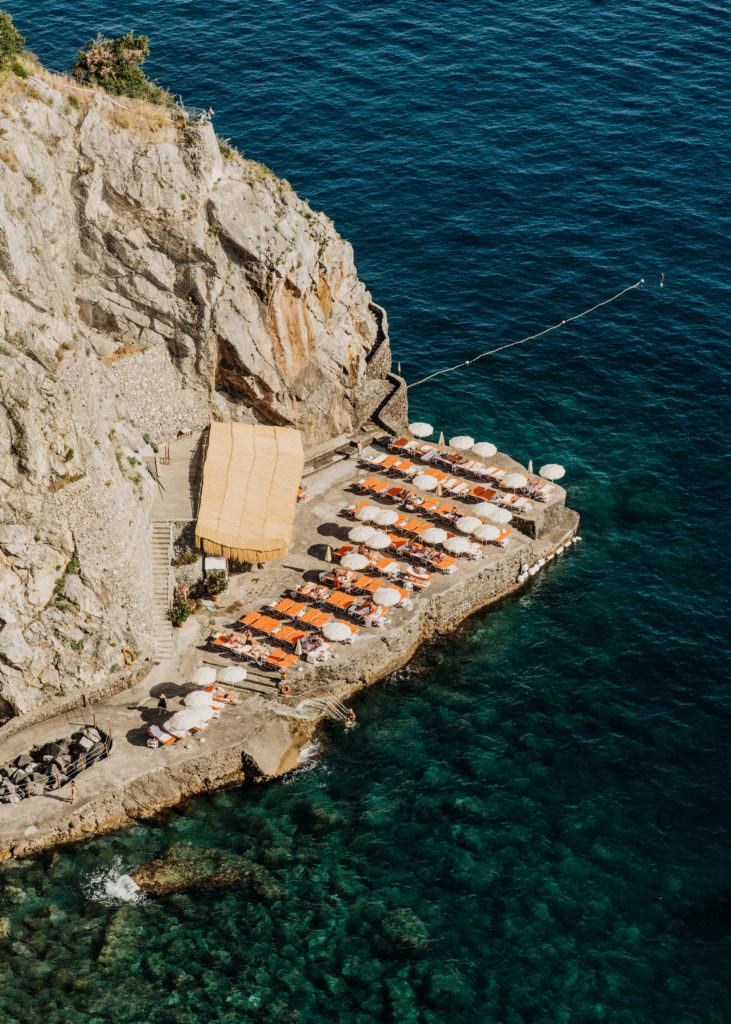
(340, 600)
(156, 733)
(314, 619)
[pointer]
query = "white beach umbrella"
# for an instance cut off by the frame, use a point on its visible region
(484, 449)
(231, 674)
(457, 545)
(441, 438)
(360, 534)
(434, 535)
(484, 510)
(487, 532)
(387, 596)
(461, 442)
(514, 481)
(468, 524)
(421, 429)
(552, 471)
(386, 517)
(367, 513)
(336, 631)
(378, 541)
(199, 699)
(501, 515)
(354, 560)
(425, 481)
(190, 718)
(204, 676)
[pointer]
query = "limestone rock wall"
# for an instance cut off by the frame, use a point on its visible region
(150, 280)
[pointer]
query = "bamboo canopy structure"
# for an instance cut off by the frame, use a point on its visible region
(249, 494)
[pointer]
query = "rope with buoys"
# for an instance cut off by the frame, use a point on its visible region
(531, 337)
(129, 656)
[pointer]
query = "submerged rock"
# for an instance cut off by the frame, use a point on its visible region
(183, 866)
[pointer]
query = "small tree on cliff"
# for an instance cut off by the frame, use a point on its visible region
(116, 65)
(11, 42)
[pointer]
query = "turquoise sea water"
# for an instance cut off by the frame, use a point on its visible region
(531, 823)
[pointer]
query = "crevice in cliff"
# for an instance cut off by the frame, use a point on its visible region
(233, 379)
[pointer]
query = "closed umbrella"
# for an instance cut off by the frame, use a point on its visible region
(457, 545)
(421, 429)
(336, 631)
(328, 553)
(514, 481)
(468, 524)
(199, 699)
(387, 596)
(441, 438)
(486, 531)
(360, 534)
(378, 541)
(232, 674)
(462, 442)
(354, 560)
(204, 676)
(552, 471)
(484, 449)
(367, 513)
(434, 535)
(386, 517)
(425, 481)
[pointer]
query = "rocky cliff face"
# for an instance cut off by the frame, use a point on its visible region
(150, 280)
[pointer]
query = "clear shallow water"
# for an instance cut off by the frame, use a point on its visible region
(532, 823)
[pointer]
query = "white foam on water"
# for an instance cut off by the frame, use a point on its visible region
(111, 886)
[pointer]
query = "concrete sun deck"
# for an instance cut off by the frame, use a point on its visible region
(264, 734)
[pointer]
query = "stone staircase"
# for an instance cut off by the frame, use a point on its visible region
(162, 589)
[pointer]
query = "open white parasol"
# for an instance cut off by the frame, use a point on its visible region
(468, 524)
(421, 429)
(552, 471)
(498, 515)
(336, 631)
(360, 534)
(232, 674)
(462, 442)
(386, 517)
(378, 540)
(484, 449)
(514, 481)
(367, 513)
(387, 597)
(457, 545)
(486, 531)
(434, 535)
(425, 481)
(199, 699)
(354, 560)
(204, 676)
(190, 718)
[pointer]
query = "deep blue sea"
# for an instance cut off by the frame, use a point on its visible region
(532, 823)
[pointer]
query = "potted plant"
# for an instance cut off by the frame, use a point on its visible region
(181, 610)
(216, 583)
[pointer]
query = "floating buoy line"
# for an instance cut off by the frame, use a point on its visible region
(531, 337)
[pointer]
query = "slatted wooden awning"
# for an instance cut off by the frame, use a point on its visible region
(249, 495)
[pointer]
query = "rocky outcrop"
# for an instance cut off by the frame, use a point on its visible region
(183, 866)
(150, 280)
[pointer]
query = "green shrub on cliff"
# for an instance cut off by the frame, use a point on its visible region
(116, 65)
(11, 42)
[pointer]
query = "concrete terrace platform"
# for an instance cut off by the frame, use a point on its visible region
(263, 735)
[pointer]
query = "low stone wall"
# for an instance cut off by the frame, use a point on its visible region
(122, 680)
